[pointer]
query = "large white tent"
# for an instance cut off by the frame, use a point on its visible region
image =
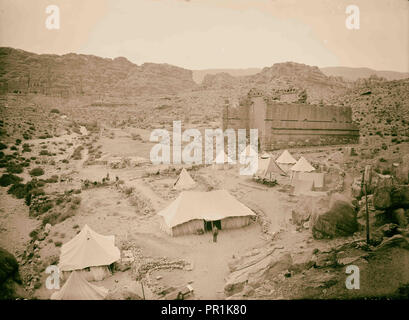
(77, 288)
(90, 252)
(184, 181)
(190, 212)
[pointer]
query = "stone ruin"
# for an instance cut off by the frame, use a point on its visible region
(281, 125)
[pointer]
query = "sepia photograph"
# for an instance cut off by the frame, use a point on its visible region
(204, 150)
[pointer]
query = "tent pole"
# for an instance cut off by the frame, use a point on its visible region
(143, 291)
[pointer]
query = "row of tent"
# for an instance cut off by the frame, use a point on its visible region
(267, 167)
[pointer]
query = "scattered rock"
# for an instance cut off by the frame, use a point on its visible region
(397, 241)
(339, 220)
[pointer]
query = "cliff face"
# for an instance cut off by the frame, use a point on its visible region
(87, 74)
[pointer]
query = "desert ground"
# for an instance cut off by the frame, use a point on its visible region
(75, 150)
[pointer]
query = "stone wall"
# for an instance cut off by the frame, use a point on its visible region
(291, 124)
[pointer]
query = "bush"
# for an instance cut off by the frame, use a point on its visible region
(8, 179)
(3, 146)
(14, 168)
(45, 153)
(18, 190)
(55, 110)
(36, 172)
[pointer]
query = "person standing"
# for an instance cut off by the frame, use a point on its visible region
(215, 231)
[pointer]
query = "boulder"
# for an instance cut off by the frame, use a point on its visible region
(255, 273)
(400, 217)
(402, 171)
(306, 207)
(9, 275)
(356, 188)
(382, 194)
(397, 241)
(400, 197)
(47, 228)
(339, 220)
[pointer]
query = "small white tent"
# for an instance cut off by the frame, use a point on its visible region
(192, 211)
(90, 252)
(184, 181)
(286, 161)
(302, 165)
(268, 168)
(286, 158)
(77, 288)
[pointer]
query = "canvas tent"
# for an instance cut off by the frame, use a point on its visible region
(193, 211)
(184, 181)
(77, 288)
(301, 166)
(89, 252)
(317, 178)
(268, 168)
(286, 161)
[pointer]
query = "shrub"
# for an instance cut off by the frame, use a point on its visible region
(34, 234)
(55, 110)
(45, 153)
(3, 146)
(18, 190)
(37, 172)
(8, 179)
(14, 168)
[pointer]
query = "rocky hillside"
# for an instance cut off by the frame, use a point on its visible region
(283, 76)
(381, 108)
(352, 74)
(76, 74)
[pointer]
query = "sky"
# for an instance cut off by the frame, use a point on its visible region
(203, 34)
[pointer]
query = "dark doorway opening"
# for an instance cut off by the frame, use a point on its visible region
(208, 225)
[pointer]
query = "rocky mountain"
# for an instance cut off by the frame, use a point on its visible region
(283, 76)
(74, 74)
(352, 74)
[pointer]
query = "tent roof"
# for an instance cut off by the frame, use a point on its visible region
(210, 206)
(77, 288)
(286, 157)
(184, 181)
(88, 249)
(302, 165)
